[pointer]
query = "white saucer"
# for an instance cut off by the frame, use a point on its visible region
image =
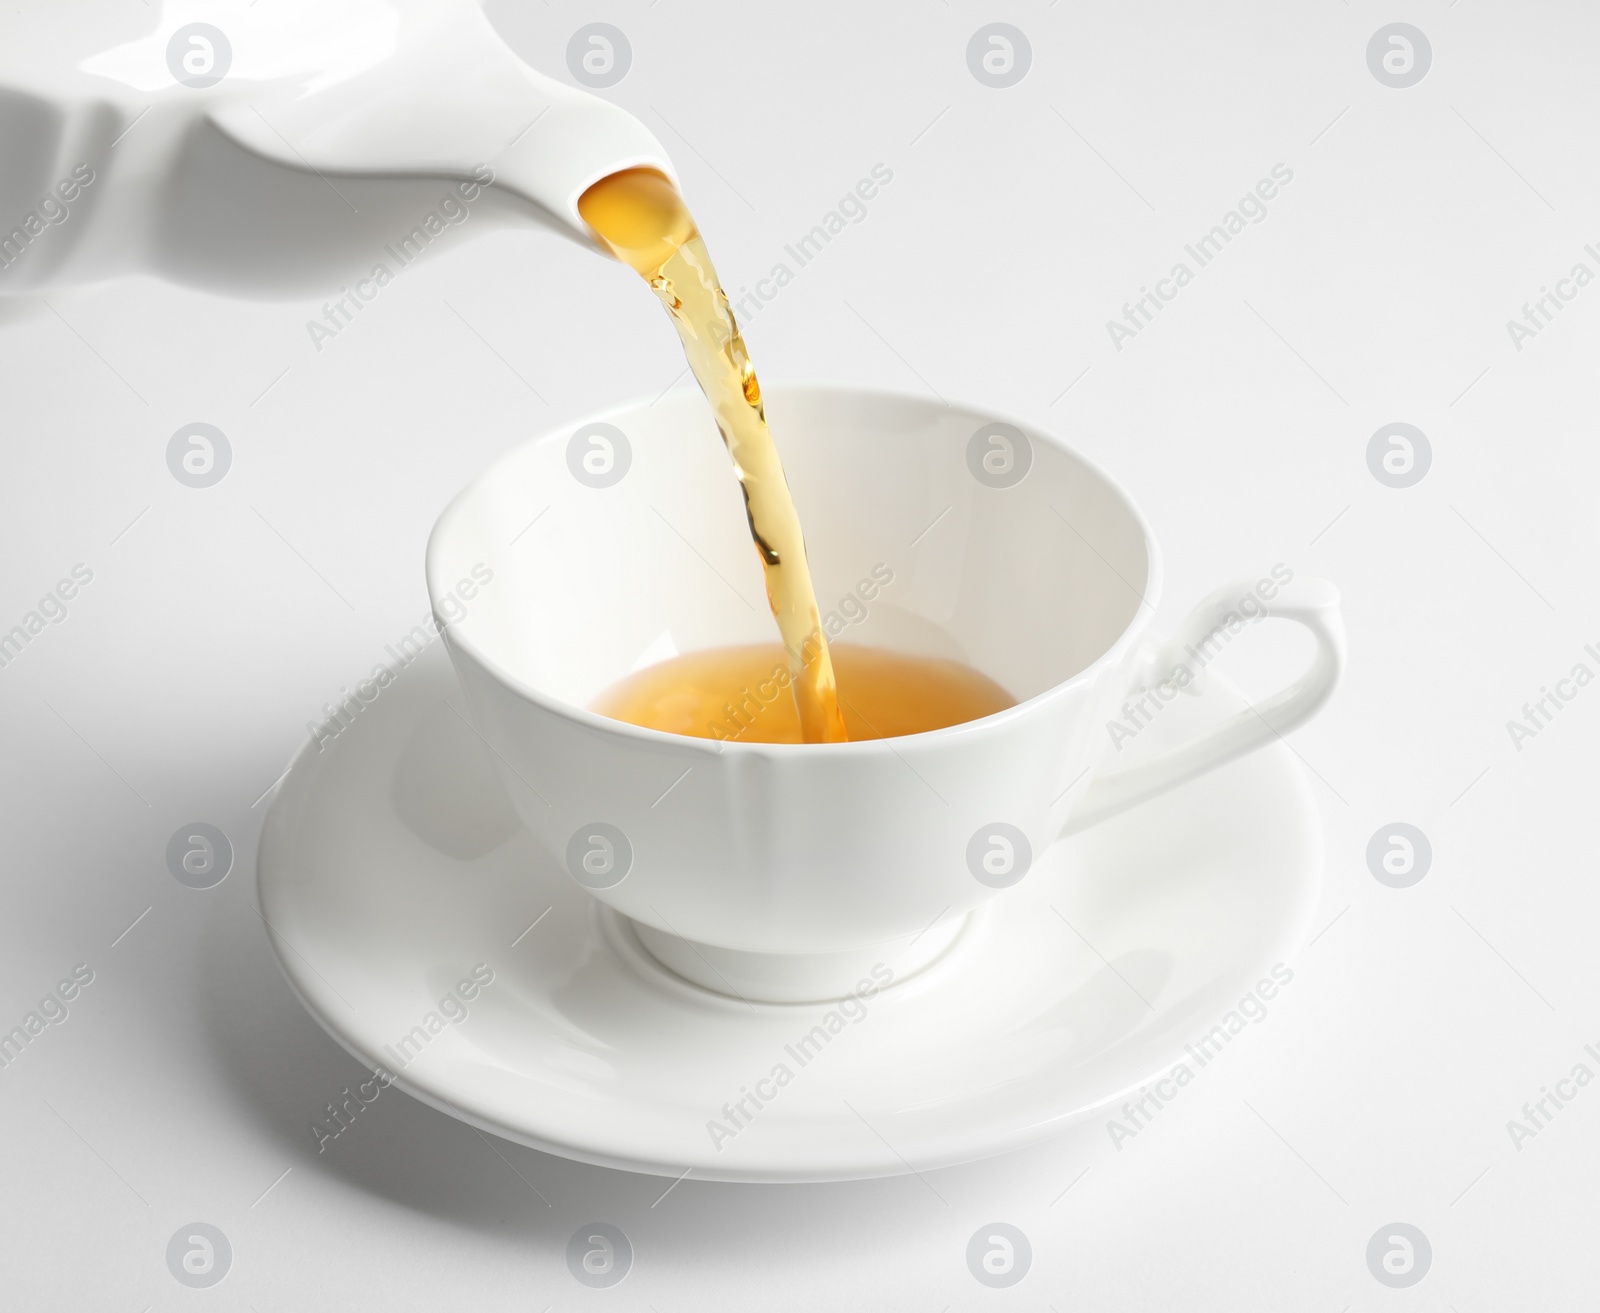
(392, 864)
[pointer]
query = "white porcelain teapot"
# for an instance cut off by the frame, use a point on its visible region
(267, 148)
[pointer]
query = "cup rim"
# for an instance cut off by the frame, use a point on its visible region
(593, 720)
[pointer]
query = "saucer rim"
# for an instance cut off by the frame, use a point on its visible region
(952, 1149)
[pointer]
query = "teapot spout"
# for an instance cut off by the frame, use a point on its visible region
(568, 147)
(308, 143)
(450, 100)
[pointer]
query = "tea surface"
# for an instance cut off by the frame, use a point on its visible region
(742, 694)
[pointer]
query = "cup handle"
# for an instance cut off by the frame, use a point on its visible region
(1311, 602)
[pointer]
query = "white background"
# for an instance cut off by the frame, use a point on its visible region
(1019, 220)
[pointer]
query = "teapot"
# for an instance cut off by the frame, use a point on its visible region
(268, 149)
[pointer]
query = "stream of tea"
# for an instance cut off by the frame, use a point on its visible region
(641, 218)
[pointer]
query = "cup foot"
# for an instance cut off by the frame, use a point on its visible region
(797, 977)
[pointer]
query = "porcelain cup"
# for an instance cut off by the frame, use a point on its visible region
(790, 873)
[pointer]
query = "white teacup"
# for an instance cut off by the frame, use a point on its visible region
(787, 872)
